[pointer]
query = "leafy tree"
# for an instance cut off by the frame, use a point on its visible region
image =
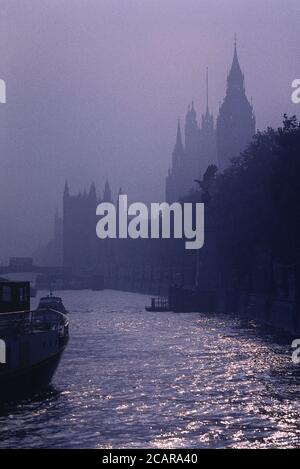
(257, 202)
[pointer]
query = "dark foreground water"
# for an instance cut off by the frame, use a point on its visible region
(134, 379)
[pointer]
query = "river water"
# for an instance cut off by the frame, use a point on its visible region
(131, 379)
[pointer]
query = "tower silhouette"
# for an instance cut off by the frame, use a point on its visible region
(208, 144)
(81, 249)
(174, 178)
(236, 121)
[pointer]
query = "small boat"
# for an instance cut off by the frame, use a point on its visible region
(52, 302)
(158, 305)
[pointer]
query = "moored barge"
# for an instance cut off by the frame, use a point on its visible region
(31, 342)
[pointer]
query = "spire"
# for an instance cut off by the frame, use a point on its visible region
(235, 56)
(193, 112)
(236, 122)
(178, 151)
(235, 78)
(66, 189)
(92, 192)
(178, 145)
(107, 192)
(207, 118)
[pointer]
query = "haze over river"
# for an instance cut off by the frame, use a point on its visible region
(132, 379)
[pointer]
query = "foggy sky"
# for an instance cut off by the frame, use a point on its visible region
(95, 88)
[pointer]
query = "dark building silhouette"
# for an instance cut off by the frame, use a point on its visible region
(208, 144)
(205, 143)
(191, 159)
(236, 120)
(175, 179)
(80, 243)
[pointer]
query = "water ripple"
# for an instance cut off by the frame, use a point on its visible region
(134, 379)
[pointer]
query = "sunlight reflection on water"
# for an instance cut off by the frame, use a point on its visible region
(134, 379)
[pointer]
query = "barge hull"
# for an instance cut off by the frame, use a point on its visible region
(28, 381)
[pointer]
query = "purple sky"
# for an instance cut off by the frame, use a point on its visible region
(95, 87)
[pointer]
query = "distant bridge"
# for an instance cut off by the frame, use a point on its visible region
(17, 269)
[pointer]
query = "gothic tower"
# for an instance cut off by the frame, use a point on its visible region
(208, 144)
(191, 133)
(236, 121)
(178, 152)
(174, 178)
(79, 221)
